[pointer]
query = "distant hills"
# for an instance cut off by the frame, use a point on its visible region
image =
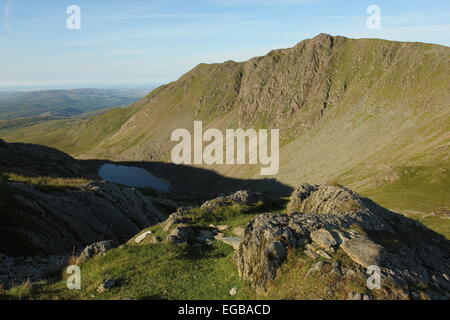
(63, 103)
(370, 114)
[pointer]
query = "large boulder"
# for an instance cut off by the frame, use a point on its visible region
(363, 251)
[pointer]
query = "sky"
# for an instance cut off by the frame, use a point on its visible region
(142, 43)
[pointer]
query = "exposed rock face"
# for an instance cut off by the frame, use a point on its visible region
(59, 221)
(406, 251)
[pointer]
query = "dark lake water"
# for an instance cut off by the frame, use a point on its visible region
(132, 177)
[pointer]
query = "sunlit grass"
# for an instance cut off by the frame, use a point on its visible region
(48, 181)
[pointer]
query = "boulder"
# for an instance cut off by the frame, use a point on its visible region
(107, 285)
(96, 249)
(182, 233)
(364, 252)
(142, 237)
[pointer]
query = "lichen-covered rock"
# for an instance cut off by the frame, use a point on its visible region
(324, 199)
(264, 248)
(364, 252)
(323, 238)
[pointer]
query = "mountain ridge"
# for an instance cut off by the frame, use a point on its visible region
(353, 111)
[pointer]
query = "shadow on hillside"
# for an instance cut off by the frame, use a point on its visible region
(198, 181)
(35, 160)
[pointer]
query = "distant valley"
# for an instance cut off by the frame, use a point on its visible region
(24, 108)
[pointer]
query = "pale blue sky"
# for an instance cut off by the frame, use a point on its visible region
(146, 42)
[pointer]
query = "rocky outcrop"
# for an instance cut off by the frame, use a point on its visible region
(96, 249)
(59, 221)
(243, 197)
(324, 199)
(334, 217)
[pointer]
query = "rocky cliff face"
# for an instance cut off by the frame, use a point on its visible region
(326, 219)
